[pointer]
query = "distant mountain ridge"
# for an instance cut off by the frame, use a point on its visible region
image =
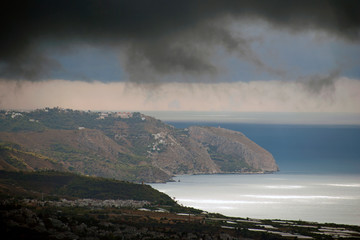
(124, 146)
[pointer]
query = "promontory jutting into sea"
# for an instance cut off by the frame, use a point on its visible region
(318, 181)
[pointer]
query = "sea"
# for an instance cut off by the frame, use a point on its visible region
(318, 181)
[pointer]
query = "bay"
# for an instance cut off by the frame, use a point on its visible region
(308, 197)
(319, 178)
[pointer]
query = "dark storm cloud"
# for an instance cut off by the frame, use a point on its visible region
(161, 35)
(317, 83)
(323, 85)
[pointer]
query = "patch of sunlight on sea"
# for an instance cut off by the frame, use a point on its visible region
(309, 197)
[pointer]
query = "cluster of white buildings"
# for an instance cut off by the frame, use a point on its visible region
(159, 141)
(93, 203)
(124, 114)
(104, 115)
(13, 114)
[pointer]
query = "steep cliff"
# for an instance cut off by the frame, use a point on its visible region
(180, 154)
(232, 151)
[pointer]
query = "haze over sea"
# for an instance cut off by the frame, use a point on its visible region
(319, 178)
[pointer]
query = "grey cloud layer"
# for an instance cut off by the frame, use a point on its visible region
(160, 35)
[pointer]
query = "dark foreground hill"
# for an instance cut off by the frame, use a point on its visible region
(125, 146)
(56, 185)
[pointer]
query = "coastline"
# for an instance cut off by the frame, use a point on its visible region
(219, 173)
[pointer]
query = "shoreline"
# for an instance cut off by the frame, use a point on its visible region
(220, 173)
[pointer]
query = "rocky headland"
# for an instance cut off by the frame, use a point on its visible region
(124, 146)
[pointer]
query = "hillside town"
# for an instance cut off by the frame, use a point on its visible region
(89, 203)
(101, 115)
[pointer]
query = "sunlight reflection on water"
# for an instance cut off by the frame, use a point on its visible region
(320, 198)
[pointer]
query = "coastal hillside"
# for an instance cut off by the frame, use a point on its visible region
(232, 151)
(12, 158)
(122, 145)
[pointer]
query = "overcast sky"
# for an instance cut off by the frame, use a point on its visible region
(240, 56)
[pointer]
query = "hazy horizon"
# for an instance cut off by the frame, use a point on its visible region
(295, 118)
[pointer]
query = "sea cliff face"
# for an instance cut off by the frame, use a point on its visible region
(181, 154)
(136, 148)
(232, 151)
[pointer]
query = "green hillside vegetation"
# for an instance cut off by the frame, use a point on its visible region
(61, 155)
(13, 158)
(54, 133)
(9, 124)
(227, 162)
(55, 185)
(58, 118)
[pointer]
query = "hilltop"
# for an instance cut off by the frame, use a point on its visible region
(123, 145)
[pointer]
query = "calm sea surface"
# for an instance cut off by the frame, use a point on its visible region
(320, 198)
(319, 178)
